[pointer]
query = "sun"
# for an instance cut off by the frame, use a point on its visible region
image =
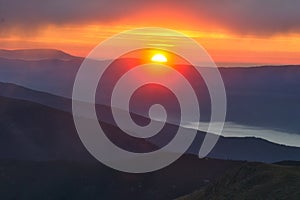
(159, 58)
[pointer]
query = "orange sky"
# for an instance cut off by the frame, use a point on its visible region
(225, 47)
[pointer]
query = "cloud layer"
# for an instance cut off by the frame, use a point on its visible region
(263, 17)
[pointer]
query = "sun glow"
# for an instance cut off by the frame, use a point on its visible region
(159, 58)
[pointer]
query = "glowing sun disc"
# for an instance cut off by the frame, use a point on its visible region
(159, 58)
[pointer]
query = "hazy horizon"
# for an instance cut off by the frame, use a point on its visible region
(221, 64)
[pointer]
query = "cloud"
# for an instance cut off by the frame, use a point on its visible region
(263, 17)
(255, 16)
(237, 130)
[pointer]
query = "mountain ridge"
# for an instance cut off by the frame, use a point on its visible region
(60, 121)
(35, 54)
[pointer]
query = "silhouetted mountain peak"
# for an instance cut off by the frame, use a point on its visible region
(35, 54)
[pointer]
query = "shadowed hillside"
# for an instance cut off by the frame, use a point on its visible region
(253, 181)
(43, 130)
(92, 180)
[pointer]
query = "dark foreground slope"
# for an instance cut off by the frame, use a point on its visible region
(72, 180)
(42, 157)
(33, 136)
(253, 181)
(87, 180)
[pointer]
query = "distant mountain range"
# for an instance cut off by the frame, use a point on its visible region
(35, 54)
(53, 136)
(266, 96)
(258, 96)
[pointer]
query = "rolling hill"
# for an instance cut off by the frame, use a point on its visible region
(42, 127)
(253, 181)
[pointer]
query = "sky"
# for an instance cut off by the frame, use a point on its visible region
(241, 33)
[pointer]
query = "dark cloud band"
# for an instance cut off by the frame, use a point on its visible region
(262, 17)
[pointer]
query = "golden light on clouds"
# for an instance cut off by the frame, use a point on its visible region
(224, 47)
